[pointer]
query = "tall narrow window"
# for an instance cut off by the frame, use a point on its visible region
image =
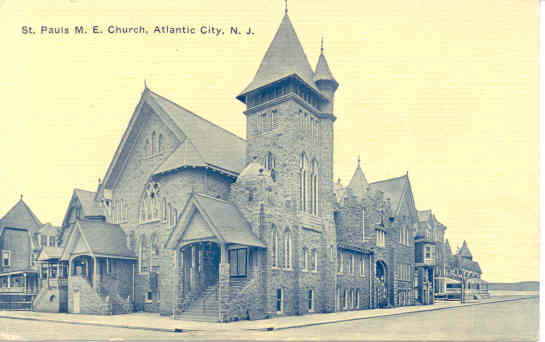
(311, 300)
(288, 250)
(362, 266)
(304, 183)
(363, 224)
(340, 261)
(315, 260)
(274, 249)
(160, 143)
(279, 300)
(314, 188)
(270, 164)
(305, 259)
(153, 143)
(351, 265)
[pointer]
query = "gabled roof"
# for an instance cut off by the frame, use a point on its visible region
(284, 57)
(206, 145)
(89, 207)
(202, 143)
(395, 189)
(358, 184)
(101, 238)
(323, 73)
(20, 216)
(223, 218)
(464, 251)
(50, 253)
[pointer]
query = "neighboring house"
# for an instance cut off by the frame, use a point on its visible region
(91, 271)
(19, 281)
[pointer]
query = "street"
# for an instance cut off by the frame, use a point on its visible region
(515, 320)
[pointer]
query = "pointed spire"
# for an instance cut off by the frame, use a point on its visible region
(358, 184)
(323, 73)
(286, 7)
(145, 84)
(21, 197)
(284, 57)
(322, 46)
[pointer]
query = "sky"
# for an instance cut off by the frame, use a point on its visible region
(446, 90)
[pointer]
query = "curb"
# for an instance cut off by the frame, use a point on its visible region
(181, 330)
(175, 330)
(386, 315)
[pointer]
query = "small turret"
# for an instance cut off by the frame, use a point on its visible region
(325, 81)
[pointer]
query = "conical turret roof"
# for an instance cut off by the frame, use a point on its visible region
(358, 184)
(284, 57)
(323, 73)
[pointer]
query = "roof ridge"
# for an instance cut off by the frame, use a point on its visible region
(389, 179)
(211, 197)
(195, 115)
(80, 189)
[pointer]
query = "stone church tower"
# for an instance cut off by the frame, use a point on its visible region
(289, 110)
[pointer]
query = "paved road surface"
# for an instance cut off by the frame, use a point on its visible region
(516, 320)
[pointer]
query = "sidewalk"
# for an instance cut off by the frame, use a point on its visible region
(153, 321)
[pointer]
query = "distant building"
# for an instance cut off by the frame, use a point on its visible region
(19, 245)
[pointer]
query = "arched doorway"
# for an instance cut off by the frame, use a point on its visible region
(200, 265)
(381, 288)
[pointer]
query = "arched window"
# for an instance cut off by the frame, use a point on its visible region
(270, 164)
(288, 244)
(160, 144)
(314, 188)
(150, 207)
(274, 249)
(153, 143)
(304, 183)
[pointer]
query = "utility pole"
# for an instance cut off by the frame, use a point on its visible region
(462, 289)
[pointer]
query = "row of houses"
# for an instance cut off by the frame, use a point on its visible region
(194, 222)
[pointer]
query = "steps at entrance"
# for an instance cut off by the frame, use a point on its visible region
(204, 308)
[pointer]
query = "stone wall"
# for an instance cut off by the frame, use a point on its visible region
(47, 300)
(90, 301)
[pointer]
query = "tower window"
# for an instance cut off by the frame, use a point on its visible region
(270, 164)
(150, 207)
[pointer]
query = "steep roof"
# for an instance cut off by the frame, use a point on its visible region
(394, 189)
(105, 238)
(223, 218)
(21, 216)
(284, 57)
(358, 184)
(48, 229)
(206, 145)
(323, 73)
(464, 251)
(228, 220)
(89, 206)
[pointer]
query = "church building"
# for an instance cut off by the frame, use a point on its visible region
(194, 222)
